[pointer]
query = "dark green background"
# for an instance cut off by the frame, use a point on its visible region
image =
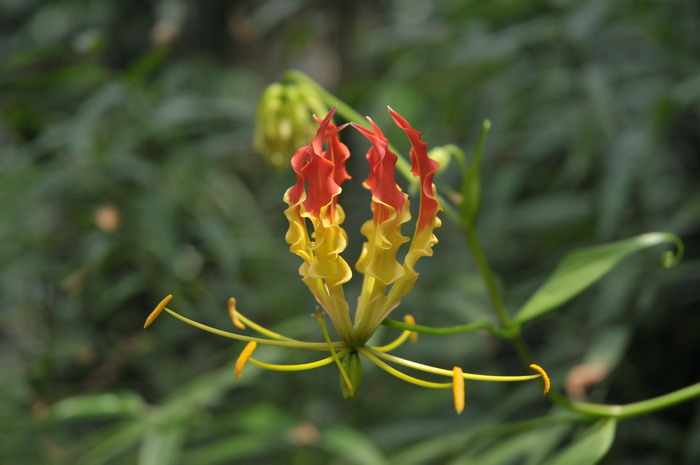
(145, 110)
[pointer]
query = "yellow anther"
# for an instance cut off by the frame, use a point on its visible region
(545, 377)
(154, 314)
(413, 336)
(458, 389)
(233, 313)
(243, 358)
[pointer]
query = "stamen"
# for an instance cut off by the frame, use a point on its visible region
(458, 389)
(269, 342)
(393, 344)
(408, 319)
(319, 317)
(243, 358)
(300, 366)
(545, 377)
(154, 314)
(233, 313)
(243, 321)
(393, 371)
(443, 372)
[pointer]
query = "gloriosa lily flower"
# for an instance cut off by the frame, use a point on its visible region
(320, 174)
(315, 234)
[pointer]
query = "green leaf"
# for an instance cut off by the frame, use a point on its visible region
(471, 180)
(524, 446)
(123, 404)
(114, 442)
(235, 447)
(590, 447)
(582, 268)
(162, 444)
(353, 447)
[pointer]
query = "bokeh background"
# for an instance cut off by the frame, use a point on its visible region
(127, 173)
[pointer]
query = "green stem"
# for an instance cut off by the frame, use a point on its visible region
(471, 327)
(510, 328)
(486, 274)
(628, 410)
(349, 114)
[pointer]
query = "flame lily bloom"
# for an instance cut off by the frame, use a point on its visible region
(315, 234)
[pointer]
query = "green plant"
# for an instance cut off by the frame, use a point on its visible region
(577, 271)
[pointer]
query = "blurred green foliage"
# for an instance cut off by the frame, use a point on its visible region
(127, 173)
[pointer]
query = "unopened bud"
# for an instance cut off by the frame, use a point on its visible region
(441, 155)
(284, 122)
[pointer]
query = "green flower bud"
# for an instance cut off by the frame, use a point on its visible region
(284, 122)
(442, 155)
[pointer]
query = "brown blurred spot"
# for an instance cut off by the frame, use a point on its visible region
(582, 377)
(241, 27)
(304, 434)
(107, 217)
(165, 32)
(76, 280)
(85, 355)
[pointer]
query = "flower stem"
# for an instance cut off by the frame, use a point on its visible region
(510, 328)
(468, 328)
(628, 410)
(486, 274)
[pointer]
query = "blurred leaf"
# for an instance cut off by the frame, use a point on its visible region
(230, 448)
(582, 268)
(97, 405)
(116, 441)
(353, 447)
(527, 445)
(588, 449)
(162, 445)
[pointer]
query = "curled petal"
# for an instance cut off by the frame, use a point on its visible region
(313, 204)
(423, 241)
(390, 209)
(382, 162)
(424, 168)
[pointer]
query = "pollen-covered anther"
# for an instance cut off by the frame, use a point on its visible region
(243, 358)
(233, 313)
(413, 336)
(545, 377)
(458, 389)
(154, 314)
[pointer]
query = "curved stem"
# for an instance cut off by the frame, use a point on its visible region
(629, 410)
(459, 329)
(486, 274)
